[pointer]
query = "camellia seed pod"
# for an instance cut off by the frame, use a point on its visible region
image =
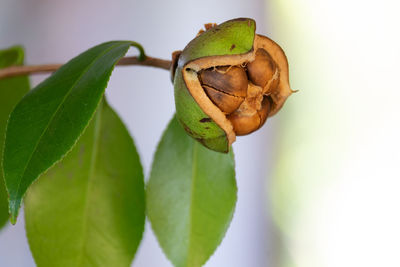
(227, 81)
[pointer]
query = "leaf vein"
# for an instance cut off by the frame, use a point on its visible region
(52, 117)
(96, 138)
(192, 188)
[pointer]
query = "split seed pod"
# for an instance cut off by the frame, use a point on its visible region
(227, 81)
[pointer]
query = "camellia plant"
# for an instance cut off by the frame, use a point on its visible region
(88, 204)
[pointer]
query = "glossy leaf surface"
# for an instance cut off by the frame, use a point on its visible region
(47, 122)
(191, 196)
(11, 91)
(88, 210)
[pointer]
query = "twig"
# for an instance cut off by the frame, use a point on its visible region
(34, 69)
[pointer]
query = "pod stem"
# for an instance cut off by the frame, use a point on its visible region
(35, 69)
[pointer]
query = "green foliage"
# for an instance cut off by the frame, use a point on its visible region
(47, 122)
(190, 196)
(11, 91)
(88, 210)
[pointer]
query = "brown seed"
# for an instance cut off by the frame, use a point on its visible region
(226, 103)
(261, 69)
(243, 125)
(229, 80)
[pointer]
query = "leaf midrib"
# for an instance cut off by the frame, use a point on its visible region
(92, 164)
(192, 188)
(52, 117)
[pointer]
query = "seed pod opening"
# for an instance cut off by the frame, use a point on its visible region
(227, 81)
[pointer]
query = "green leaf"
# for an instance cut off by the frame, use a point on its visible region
(46, 123)
(191, 196)
(88, 210)
(11, 91)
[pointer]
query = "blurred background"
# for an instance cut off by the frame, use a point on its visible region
(319, 183)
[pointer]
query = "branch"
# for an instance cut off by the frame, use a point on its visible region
(34, 69)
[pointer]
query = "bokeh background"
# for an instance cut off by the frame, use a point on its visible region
(319, 183)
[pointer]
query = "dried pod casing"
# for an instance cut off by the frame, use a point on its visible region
(227, 81)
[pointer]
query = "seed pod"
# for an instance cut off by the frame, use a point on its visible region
(227, 81)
